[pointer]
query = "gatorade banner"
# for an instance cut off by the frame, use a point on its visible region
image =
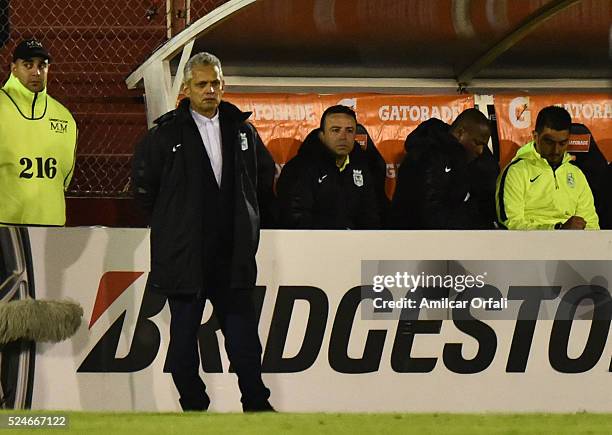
(516, 117)
(284, 120)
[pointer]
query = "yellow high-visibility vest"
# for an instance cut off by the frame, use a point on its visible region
(37, 152)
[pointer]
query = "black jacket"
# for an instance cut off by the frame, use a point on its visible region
(314, 194)
(483, 172)
(173, 179)
(378, 170)
(595, 168)
(437, 188)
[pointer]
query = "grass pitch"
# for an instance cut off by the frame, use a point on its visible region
(353, 424)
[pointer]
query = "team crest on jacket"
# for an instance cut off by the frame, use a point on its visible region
(244, 142)
(357, 177)
(570, 180)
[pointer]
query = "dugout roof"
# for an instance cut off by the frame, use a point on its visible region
(425, 46)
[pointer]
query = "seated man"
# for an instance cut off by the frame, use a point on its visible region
(594, 166)
(442, 182)
(378, 168)
(541, 189)
(328, 184)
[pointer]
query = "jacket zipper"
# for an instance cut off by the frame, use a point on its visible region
(34, 103)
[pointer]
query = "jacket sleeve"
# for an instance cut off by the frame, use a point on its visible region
(378, 171)
(266, 171)
(585, 208)
(370, 217)
(398, 215)
(510, 200)
(147, 166)
(295, 197)
(68, 177)
(483, 173)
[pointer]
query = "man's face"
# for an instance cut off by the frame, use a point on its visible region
(32, 73)
(551, 144)
(473, 138)
(338, 134)
(205, 89)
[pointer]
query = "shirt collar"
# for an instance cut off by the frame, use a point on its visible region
(345, 164)
(203, 119)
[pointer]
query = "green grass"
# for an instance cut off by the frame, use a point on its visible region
(353, 424)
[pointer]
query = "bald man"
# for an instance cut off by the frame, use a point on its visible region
(447, 179)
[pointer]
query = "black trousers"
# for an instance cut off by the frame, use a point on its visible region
(236, 314)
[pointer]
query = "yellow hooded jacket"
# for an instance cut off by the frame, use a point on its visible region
(531, 196)
(37, 152)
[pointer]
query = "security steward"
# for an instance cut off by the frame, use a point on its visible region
(38, 138)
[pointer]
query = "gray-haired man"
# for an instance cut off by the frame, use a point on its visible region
(204, 175)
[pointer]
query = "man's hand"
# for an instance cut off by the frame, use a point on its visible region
(574, 223)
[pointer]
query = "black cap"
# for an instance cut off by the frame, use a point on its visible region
(29, 49)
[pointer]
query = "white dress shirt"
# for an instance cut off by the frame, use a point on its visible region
(210, 131)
